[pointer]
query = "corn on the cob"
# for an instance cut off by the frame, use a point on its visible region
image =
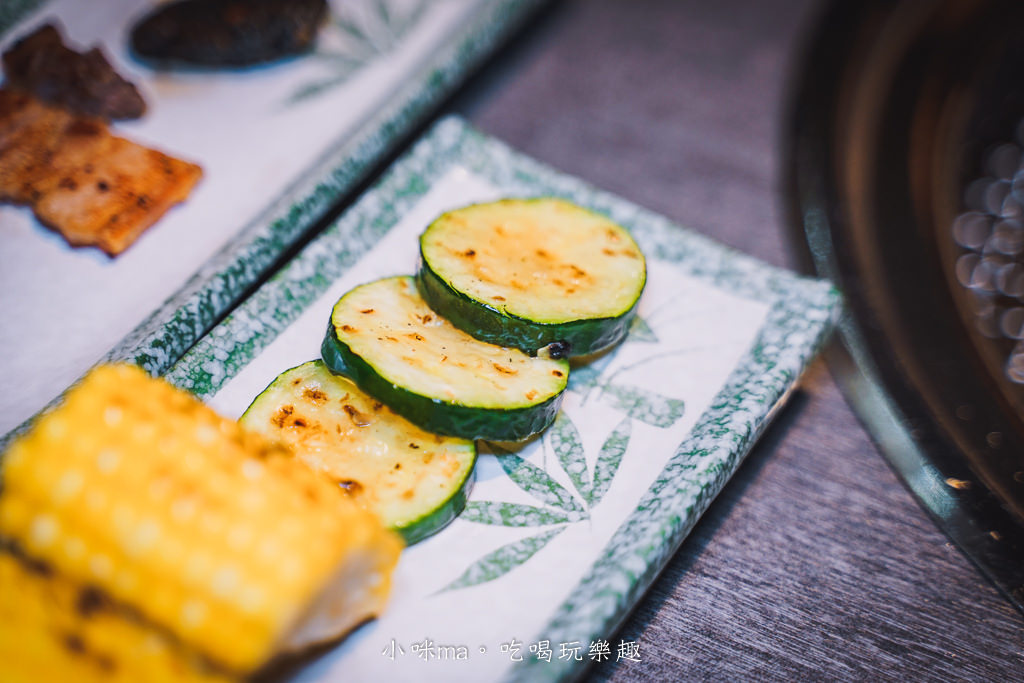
(210, 535)
(48, 626)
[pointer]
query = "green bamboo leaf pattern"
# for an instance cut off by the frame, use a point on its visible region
(350, 28)
(365, 39)
(501, 561)
(640, 331)
(383, 12)
(646, 406)
(609, 459)
(537, 483)
(565, 442)
(585, 377)
(313, 89)
(514, 514)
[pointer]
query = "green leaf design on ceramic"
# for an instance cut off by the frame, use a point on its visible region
(367, 33)
(538, 483)
(640, 331)
(501, 561)
(583, 378)
(565, 441)
(315, 88)
(609, 459)
(513, 514)
(352, 30)
(383, 12)
(646, 406)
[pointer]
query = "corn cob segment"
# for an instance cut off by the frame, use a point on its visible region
(222, 541)
(48, 625)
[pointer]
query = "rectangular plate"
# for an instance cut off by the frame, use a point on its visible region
(280, 145)
(560, 538)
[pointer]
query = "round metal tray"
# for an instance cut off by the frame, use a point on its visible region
(906, 187)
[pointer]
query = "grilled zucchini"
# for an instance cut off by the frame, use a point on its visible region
(532, 272)
(416, 482)
(394, 347)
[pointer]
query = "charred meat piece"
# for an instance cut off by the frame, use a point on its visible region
(232, 33)
(92, 187)
(41, 64)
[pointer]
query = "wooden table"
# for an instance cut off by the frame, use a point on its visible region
(814, 562)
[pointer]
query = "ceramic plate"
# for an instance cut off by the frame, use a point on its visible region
(280, 145)
(562, 535)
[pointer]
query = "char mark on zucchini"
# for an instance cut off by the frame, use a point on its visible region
(533, 273)
(436, 375)
(376, 457)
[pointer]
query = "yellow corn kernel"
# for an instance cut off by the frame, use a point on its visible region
(52, 630)
(137, 489)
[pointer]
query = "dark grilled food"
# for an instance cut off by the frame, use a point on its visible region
(228, 33)
(94, 188)
(86, 83)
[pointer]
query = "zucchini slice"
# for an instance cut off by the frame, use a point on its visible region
(385, 337)
(531, 272)
(416, 482)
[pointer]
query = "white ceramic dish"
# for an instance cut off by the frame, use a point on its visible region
(561, 537)
(280, 145)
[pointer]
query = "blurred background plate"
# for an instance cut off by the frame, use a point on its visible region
(281, 146)
(906, 181)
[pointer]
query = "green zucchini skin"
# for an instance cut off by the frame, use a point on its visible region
(435, 415)
(432, 522)
(546, 236)
(493, 326)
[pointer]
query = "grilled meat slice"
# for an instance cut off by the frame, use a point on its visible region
(29, 135)
(231, 33)
(41, 64)
(92, 187)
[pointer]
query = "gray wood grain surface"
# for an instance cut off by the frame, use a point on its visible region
(814, 563)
